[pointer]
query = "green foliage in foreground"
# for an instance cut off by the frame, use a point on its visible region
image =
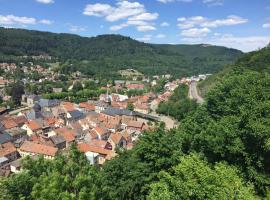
(67, 177)
(194, 178)
(179, 105)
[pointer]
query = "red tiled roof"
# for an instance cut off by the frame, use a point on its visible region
(33, 125)
(6, 149)
(100, 131)
(68, 134)
(98, 143)
(20, 119)
(9, 123)
(135, 86)
(68, 106)
(32, 147)
(83, 147)
(87, 106)
(116, 137)
(135, 124)
(50, 121)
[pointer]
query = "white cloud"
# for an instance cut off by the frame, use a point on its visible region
(266, 25)
(164, 24)
(145, 28)
(98, 10)
(160, 36)
(229, 21)
(200, 21)
(195, 32)
(245, 44)
(15, 20)
(7, 20)
(134, 14)
(145, 38)
(144, 17)
(170, 1)
(46, 21)
(214, 2)
(45, 1)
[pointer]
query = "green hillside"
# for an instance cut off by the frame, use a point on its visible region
(96, 55)
(255, 61)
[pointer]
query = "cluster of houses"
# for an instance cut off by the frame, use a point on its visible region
(50, 127)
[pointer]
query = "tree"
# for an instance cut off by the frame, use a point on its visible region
(130, 106)
(77, 86)
(195, 179)
(17, 90)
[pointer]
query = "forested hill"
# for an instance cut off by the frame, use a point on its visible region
(92, 55)
(255, 61)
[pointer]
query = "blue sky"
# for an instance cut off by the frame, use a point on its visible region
(241, 24)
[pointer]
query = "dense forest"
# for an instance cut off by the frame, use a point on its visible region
(178, 105)
(221, 150)
(95, 55)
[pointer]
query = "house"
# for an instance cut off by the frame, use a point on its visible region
(9, 123)
(9, 151)
(113, 125)
(74, 115)
(31, 149)
(32, 127)
(58, 141)
(68, 106)
(100, 155)
(5, 137)
(31, 99)
(87, 107)
(102, 133)
(3, 161)
(141, 107)
(68, 134)
(100, 106)
(20, 120)
(135, 86)
(16, 166)
(101, 143)
(16, 133)
(115, 113)
(48, 103)
(117, 140)
(135, 125)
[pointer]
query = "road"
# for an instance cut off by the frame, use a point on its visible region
(193, 92)
(14, 112)
(169, 121)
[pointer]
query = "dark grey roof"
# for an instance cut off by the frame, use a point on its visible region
(116, 111)
(16, 131)
(58, 139)
(3, 159)
(36, 107)
(145, 116)
(33, 115)
(47, 114)
(4, 137)
(76, 114)
(48, 102)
